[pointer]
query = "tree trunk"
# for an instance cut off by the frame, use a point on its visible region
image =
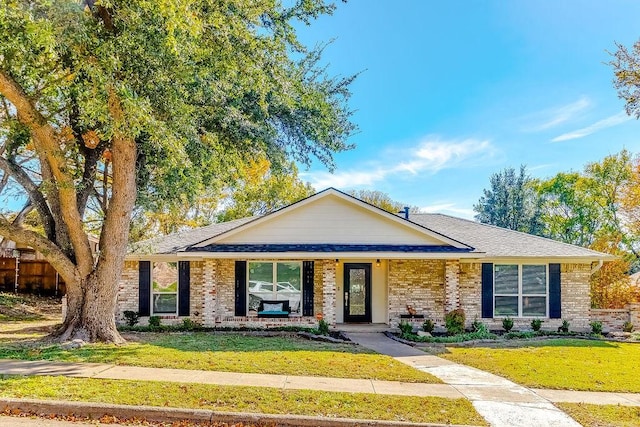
(91, 307)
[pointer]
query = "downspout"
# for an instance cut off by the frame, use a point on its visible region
(597, 267)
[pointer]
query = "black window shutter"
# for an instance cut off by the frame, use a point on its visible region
(487, 290)
(144, 288)
(555, 300)
(184, 287)
(307, 288)
(241, 288)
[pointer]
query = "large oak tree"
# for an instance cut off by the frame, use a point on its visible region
(109, 103)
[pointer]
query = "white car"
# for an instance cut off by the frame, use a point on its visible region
(259, 290)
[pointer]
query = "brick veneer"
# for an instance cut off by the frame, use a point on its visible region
(420, 283)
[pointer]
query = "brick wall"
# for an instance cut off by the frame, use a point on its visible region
(328, 290)
(614, 319)
(470, 290)
(127, 299)
(419, 283)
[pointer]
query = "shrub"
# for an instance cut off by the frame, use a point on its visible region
(189, 325)
(627, 327)
(323, 327)
(154, 322)
(131, 317)
(406, 329)
(454, 321)
(428, 326)
(536, 324)
(565, 327)
(479, 327)
(596, 327)
(507, 324)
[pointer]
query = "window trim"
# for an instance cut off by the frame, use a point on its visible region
(520, 295)
(152, 293)
(274, 279)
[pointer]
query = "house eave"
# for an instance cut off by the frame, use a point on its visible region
(329, 255)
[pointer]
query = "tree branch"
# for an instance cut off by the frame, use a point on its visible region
(46, 143)
(36, 197)
(48, 249)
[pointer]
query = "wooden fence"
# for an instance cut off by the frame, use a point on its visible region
(35, 276)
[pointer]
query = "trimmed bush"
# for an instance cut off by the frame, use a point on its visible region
(131, 317)
(454, 321)
(323, 327)
(406, 329)
(596, 327)
(627, 327)
(154, 322)
(565, 326)
(536, 324)
(507, 324)
(428, 325)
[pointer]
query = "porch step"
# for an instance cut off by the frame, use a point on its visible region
(363, 327)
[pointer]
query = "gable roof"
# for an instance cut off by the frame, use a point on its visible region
(497, 242)
(434, 234)
(337, 208)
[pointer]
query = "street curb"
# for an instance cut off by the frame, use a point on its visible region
(161, 414)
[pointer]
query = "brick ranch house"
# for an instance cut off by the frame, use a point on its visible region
(335, 256)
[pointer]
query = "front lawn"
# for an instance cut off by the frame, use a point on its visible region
(603, 415)
(245, 399)
(560, 364)
(288, 355)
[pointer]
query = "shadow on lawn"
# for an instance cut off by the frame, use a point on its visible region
(225, 342)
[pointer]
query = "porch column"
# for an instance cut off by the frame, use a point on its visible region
(451, 282)
(329, 291)
(209, 292)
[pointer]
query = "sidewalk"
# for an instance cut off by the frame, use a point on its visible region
(501, 402)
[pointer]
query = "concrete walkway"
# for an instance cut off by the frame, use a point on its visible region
(501, 402)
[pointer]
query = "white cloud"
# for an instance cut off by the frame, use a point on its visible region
(429, 156)
(555, 116)
(432, 156)
(449, 208)
(602, 124)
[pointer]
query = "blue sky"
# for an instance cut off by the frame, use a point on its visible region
(453, 91)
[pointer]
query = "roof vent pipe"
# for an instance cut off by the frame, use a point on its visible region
(405, 211)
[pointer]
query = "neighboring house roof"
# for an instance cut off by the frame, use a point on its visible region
(426, 233)
(501, 242)
(179, 241)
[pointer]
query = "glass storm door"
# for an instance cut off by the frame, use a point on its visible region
(357, 292)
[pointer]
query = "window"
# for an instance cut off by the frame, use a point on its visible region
(520, 290)
(275, 281)
(164, 288)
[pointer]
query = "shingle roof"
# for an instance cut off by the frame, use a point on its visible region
(501, 242)
(176, 242)
(326, 247)
(488, 240)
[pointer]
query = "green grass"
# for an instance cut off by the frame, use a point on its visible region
(560, 364)
(245, 399)
(287, 355)
(15, 307)
(602, 415)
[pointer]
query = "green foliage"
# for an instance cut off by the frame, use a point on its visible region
(536, 324)
(454, 321)
(323, 327)
(190, 325)
(627, 326)
(478, 326)
(406, 329)
(428, 325)
(564, 327)
(596, 327)
(131, 317)
(467, 336)
(381, 200)
(155, 322)
(511, 202)
(507, 324)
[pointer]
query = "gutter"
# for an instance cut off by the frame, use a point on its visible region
(597, 267)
